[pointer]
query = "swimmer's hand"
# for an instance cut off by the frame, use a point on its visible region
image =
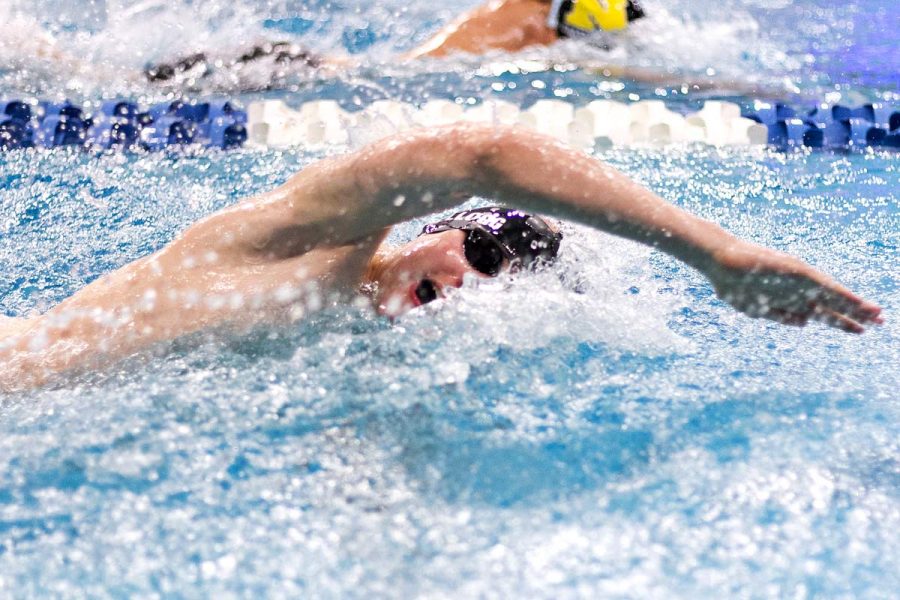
(765, 283)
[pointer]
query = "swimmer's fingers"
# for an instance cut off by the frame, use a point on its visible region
(797, 299)
(765, 283)
(822, 315)
(844, 302)
(828, 301)
(836, 320)
(840, 308)
(786, 317)
(835, 307)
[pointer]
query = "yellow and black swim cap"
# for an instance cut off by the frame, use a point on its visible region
(578, 17)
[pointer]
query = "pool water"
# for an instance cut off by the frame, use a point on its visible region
(605, 428)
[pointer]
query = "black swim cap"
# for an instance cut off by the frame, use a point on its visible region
(523, 238)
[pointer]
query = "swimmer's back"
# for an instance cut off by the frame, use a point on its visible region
(507, 25)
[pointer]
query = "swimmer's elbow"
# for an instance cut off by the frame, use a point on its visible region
(454, 155)
(448, 155)
(503, 153)
(488, 147)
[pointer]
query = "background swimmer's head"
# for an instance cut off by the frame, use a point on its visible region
(483, 243)
(571, 18)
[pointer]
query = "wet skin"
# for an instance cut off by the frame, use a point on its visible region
(421, 269)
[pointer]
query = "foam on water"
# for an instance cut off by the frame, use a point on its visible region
(602, 427)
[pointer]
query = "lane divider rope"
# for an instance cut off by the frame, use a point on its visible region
(121, 124)
(272, 123)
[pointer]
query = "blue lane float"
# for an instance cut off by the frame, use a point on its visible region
(62, 130)
(168, 131)
(122, 124)
(791, 132)
(110, 134)
(15, 134)
(59, 109)
(853, 133)
(834, 127)
(16, 125)
(16, 110)
(770, 114)
(119, 109)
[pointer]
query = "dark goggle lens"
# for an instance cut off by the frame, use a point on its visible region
(483, 252)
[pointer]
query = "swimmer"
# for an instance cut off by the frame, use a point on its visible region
(261, 66)
(498, 26)
(514, 25)
(319, 239)
(504, 25)
(273, 258)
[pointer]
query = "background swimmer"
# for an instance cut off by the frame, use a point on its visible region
(319, 239)
(496, 26)
(260, 64)
(499, 25)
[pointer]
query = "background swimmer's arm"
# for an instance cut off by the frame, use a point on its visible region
(673, 79)
(508, 25)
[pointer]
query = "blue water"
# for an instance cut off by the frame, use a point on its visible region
(603, 429)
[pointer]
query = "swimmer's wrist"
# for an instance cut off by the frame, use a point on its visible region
(699, 245)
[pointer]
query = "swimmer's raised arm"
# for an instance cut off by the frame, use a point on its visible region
(356, 198)
(342, 200)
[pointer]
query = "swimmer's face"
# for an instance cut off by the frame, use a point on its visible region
(421, 271)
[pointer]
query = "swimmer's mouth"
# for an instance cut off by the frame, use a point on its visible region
(426, 291)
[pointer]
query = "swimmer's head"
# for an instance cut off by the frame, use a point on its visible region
(579, 17)
(499, 236)
(483, 242)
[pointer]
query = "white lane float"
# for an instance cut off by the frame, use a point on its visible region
(598, 123)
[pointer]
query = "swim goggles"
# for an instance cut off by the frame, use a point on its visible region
(578, 17)
(498, 236)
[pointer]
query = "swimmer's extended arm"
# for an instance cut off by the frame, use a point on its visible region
(418, 173)
(507, 25)
(547, 177)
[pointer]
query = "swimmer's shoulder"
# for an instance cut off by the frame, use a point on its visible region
(12, 327)
(507, 25)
